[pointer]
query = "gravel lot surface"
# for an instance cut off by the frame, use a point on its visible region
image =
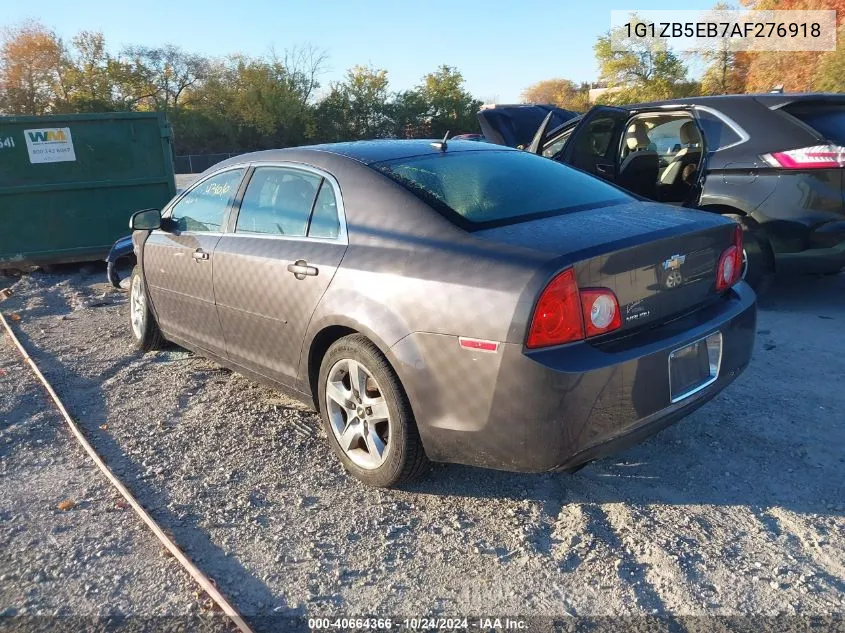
(737, 510)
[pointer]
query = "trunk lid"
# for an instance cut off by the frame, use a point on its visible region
(515, 125)
(659, 260)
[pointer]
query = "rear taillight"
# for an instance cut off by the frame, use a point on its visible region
(564, 314)
(729, 270)
(601, 311)
(557, 317)
(816, 157)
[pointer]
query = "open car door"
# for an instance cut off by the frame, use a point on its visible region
(594, 144)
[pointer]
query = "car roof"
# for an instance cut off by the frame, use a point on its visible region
(376, 151)
(770, 99)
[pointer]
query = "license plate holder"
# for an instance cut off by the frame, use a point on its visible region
(694, 366)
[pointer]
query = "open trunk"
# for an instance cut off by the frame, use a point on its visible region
(515, 125)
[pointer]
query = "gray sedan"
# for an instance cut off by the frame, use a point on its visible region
(457, 302)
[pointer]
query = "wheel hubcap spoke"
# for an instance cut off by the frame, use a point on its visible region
(338, 394)
(378, 410)
(357, 378)
(375, 445)
(351, 435)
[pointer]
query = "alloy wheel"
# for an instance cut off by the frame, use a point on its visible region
(358, 413)
(137, 307)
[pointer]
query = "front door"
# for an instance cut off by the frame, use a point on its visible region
(272, 270)
(179, 260)
(593, 145)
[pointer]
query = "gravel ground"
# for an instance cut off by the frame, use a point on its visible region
(735, 511)
(72, 546)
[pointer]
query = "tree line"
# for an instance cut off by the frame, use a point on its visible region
(651, 73)
(243, 103)
(235, 104)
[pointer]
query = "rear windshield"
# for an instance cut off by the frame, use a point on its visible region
(829, 121)
(480, 189)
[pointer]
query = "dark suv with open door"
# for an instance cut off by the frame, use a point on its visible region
(772, 162)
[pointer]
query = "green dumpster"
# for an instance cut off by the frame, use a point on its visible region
(68, 183)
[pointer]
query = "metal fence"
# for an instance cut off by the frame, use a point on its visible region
(197, 163)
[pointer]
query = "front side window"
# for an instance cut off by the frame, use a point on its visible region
(203, 209)
(278, 201)
(478, 189)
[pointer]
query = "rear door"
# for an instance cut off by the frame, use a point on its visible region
(178, 261)
(593, 145)
(285, 244)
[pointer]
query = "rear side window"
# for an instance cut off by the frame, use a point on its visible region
(478, 189)
(324, 220)
(828, 121)
(278, 201)
(717, 133)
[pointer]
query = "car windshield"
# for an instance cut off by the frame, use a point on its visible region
(480, 189)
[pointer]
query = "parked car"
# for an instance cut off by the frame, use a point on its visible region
(121, 251)
(772, 162)
(458, 302)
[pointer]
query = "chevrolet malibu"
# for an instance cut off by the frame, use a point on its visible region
(449, 301)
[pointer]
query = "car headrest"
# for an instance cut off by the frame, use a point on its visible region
(296, 189)
(636, 137)
(689, 133)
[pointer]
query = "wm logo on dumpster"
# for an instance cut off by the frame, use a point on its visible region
(47, 136)
(49, 145)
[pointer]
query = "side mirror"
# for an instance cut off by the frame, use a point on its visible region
(146, 220)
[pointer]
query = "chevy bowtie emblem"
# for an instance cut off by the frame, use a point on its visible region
(674, 262)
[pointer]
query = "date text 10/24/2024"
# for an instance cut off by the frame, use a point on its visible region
(418, 624)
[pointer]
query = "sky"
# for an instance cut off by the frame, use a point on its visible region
(500, 47)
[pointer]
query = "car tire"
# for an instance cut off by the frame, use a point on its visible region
(145, 330)
(758, 258)
(380, 411)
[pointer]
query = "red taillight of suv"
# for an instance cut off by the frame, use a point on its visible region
(816, 157)
(729, 270)
(564, 313)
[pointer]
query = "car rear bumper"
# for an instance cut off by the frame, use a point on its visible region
(554, 409)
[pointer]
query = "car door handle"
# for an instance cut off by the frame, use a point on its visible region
(199, 254)
(604, 169)
(301, 269)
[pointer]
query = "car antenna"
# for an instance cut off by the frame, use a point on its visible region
(441, 145)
